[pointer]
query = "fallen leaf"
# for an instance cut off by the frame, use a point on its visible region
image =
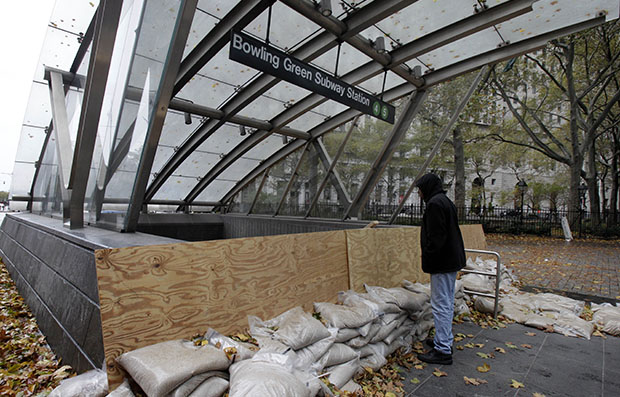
(525, 345)
(419, 366)
(459, 347)
(415, 381)
(499, 349)
(469, 345)
(516, 384)
(530, 333)
(484, 368)
(390, 394)
(538, 395)
(61, 372)
(510, 345)
(483, 355)
(470, 335)
(479, 345)
(471, 381)
(439, 373)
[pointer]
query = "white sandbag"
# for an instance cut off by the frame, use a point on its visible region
(123, 390)
(90, 383)
(268, 345)
(400, 331)
(570, 324)
(339, 353)
(310, 355)
(418, 288)
(462, 308)
(346, 334)
(241, 350)
(267, 375)
(485, 305)
(365, 329)
(352, 387)
(212, 387)
(352, 298)
(374, 361)
(189, 386)
(539, 321)
(365, 351)
(361, 340)
(557, 303)
(340, 316)
(385, 330)
(295, 328)
(340, 374)
(607, 318)
(160, 368)
(403, 298)
(477, 283)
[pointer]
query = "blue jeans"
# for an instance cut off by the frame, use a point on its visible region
(442, 303)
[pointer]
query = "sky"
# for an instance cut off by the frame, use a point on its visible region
(23, 24)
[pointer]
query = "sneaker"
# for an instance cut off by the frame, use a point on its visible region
(436, 357)
(430, 342)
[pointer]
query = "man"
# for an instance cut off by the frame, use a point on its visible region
(443, 255)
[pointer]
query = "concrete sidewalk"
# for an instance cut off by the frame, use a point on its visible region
(546, 363)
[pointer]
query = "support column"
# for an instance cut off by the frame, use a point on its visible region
(440, 140)
(398, 132)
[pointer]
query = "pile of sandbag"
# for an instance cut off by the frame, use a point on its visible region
(483, 283)
(547, 310)
(607, 317)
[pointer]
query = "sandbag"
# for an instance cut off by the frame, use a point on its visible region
(189, 386)
(235, 349)
(607, 317)
(539, 321)
(310, 355)
(418, 288)
(403, 298)
(212, 387)
(161, 367)
(267, 375)
(123, 390)
(373, 361)
(352, 387)
(477, 283)
(570, 324)
(346, 334)
(340, 374)
(485, 305)
(295, 328)
(352, 298)
(90, 383)
(339, 353)
(340, 316)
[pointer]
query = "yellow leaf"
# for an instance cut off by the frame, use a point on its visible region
(479, 345)
(516, 384)
(484, 368)
(439, 373)
(530, 333)
(459, 347)
(419, 366)
(538, 395)
(415, 381)
(469, 345)
(390, 394)
(525, 345)
(471, 381)
(470, 335)
(499, 349)
(510, 345)
(483, 355)
(62, 372)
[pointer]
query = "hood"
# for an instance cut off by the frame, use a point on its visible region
(430, 185)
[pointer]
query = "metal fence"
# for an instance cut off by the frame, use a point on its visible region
(495, 220)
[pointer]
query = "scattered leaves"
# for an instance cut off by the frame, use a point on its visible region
(516, 384)
(484, 368)
(27, 365)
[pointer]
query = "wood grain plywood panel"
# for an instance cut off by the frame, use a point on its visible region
(152, 294)
(473, 237)
(384, 257)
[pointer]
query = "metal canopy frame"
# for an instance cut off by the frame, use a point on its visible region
(332, 33)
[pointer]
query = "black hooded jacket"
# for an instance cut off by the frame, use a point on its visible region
(442, 244)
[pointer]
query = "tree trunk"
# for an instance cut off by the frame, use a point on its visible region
(595, 202)
(459, 171)
(613, 197)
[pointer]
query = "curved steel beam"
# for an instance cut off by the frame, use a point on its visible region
(436, 77)
(468, 26)
(241, 15)
(317, 46)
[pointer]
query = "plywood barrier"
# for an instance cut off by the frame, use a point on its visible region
(385, 257)
(151, 294)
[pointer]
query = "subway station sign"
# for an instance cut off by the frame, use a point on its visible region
(261, 56)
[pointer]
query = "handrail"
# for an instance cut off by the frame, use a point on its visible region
(497, 276)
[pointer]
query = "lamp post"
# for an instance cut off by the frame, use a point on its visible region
(522, 186)
(582, 198)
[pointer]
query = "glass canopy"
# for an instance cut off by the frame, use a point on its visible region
(229, 125)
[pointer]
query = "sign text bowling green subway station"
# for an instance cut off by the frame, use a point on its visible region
(258, 55)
